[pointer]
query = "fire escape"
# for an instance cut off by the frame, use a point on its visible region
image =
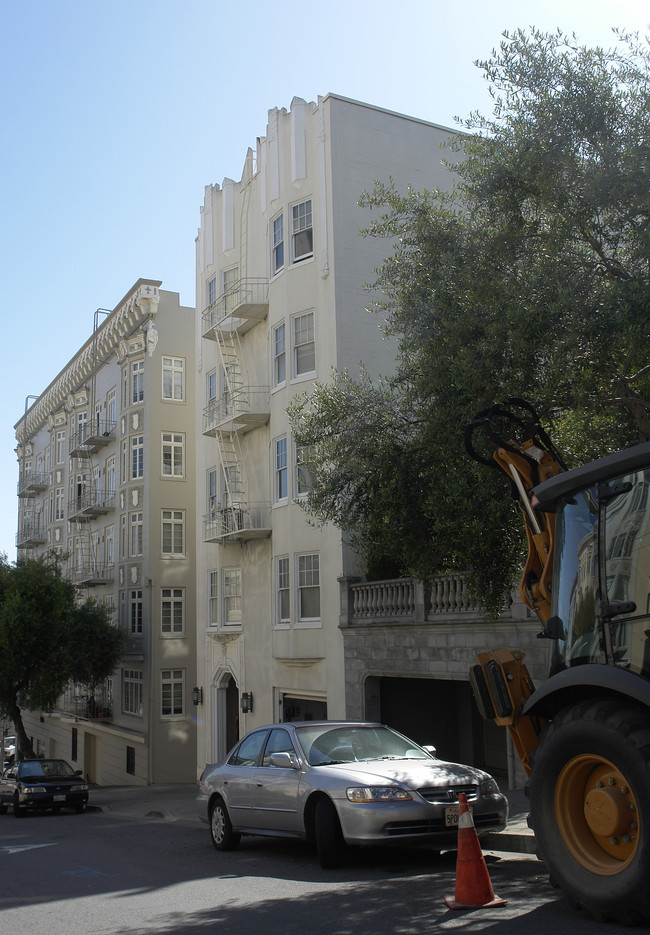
(238, 407)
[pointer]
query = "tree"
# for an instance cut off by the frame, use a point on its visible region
(529, 279)
(48, 640)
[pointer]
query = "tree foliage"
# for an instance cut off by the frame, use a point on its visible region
(48, 640)
(530, 278)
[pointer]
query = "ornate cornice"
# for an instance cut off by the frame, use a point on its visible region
(136, 308)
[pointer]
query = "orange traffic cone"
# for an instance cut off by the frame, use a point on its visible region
(473, 886)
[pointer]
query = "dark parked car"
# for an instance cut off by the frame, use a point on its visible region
(342, 782)
(41, 784)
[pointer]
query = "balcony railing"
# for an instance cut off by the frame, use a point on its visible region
(77, 701)
(33, 482)
(240, 521)
(91, 503)
(30, 535)
(91, 574)
(91, 437)
(238, 309)
(242, 410)
(407, 601)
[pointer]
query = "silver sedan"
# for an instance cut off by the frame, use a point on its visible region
(342, 782)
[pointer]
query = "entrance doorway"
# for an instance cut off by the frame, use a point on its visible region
(225, 717)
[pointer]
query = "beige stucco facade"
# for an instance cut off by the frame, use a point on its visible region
(107, 478)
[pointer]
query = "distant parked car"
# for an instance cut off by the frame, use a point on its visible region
(9, 749)
(342, 782)
(41, 784)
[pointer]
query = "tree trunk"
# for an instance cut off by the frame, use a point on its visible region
(24, 749)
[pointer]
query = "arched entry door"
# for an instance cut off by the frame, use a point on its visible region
(225, 716)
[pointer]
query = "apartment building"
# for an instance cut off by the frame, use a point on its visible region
(106, 478)
(281, 269)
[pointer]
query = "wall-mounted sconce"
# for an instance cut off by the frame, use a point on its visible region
(197, 696)
(246, 702)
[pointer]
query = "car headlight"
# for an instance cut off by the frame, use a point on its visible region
(488, 786)
(378, 794)
(34, 790)
(82, 788)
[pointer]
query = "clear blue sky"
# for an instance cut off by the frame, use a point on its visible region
(114, 116)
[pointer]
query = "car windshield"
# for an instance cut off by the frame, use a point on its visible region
(44, 768)
(324, 744)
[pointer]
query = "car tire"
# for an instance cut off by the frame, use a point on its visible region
(19, 810)
(330, 845)
(221, 831)
(80, 809)
(592, 765)
(3, 809)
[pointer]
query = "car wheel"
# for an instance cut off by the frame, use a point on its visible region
(81, 808)
(223, 837)
(19, 810)
(330, 845)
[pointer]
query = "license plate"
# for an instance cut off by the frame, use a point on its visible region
(451, 816)
(58, 798)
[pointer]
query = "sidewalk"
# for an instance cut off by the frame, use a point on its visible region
(177, 803)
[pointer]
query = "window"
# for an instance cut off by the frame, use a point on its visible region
(82, 428)
(249, 750)
(279, 354)
(280, 483)
(59, 503)
(130, 760)
(111, 409)
(213, 496)
(132, 691)
(304, 470)
(137, 456)
(135, 611)
(213, 593)
(231, 288)
(302, 232)
(137, 381)
(212, 385)
(278, 742)
(109, 545)
(309, 587)
(282, 593)
(231, 595)
(173, 454)
(277, 240)
(212, 290)
(110, 477)
(137, 532)
(173, 532)
(173, 378)
(172, 611)
(74, 744)
(304, 348)
(172, 692)
(60, 447)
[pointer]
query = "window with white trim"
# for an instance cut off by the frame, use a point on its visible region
(302, 232)
(137, 381)
(137, 533)
(212, 290)
(60, 447)
(173, 378)
(59, 504)
(279, 354)
(277, 244)
(230, 278)
(232, 610)
(110, 477)
(137, 457)
(132, 692)
(213, 598)
(173, 532)
(308, 587)
(111, 409)
(213, 492)
(283, 593)
(135, 611)
(172, 692)
(172, 611)
(280, 469)
(173, 454)
(304, 472)
(212, 385)
(303, 345)
(109, 545)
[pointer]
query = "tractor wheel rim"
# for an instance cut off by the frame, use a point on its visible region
(597, 814)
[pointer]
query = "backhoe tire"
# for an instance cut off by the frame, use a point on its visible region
(590, 807)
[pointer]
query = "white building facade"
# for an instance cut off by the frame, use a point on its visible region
(281, 269)
(106, 478)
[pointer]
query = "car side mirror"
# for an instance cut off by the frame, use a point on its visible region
(284, 761)
(431, 750)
